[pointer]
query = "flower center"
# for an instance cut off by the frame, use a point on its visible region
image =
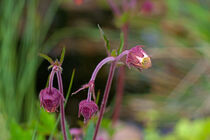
(146, 62)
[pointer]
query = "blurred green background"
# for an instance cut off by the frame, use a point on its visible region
(169, 101)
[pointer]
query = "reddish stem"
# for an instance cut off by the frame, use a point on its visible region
(62, 111)
(105, 98)
(95, 72)
(119, 94)
(120, 80)
(51, 79)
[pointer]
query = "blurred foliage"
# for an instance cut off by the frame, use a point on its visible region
(90, 131)
(4, 132)
(184, 130)
(106, 124)
(21, 38)
(43, 128)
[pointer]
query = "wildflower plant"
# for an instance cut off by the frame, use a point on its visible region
(136, 57)
(50, 97)
(124, 13)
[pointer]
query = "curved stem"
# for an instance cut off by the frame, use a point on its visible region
(107, 89)
(105, 98)
(51, 79)
(95, 72)
(121, 55)
(62, 111)
(99, 66)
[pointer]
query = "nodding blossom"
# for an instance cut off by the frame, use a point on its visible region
(138, 58)
(87, 109)
(50, 99)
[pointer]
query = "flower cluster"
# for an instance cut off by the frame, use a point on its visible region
(136, 57)
(51, 98)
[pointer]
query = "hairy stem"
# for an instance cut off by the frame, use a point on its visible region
(105, 98)
(62, 111)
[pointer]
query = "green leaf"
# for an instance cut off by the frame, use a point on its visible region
(98, 95)
(46, 58)
(120, 49)
(4, 131)
(114, 53)
(106, 124)
(18, 133)
(90, 131)
(47, 121)
(67, 130)
(62, 55)
(123, 19)
(70, 86)
(106, 40)
(48, 79)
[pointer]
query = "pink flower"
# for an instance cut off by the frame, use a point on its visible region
(138, 58)
(147, 7)
(87, 109)
(78, 2)
(76, 133)
(50, 99)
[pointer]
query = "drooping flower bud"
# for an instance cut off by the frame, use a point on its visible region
(138, 58)
(87, 109)
(50, 99)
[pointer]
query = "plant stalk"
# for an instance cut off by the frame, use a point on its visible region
(119, 94)
(120, 80)
(105, 98)
(62, 111)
